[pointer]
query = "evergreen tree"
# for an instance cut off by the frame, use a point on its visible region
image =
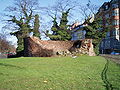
(60, 32)
(24, 30)
(36, 26)
(95, 31)
(23, 18)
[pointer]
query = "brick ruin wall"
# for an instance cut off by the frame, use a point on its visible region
(34, 47)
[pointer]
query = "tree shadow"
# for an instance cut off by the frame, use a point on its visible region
(2, 74)
(108, 85)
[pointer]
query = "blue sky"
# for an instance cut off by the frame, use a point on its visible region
(5, 3)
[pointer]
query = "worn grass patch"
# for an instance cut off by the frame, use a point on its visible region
(56, 73)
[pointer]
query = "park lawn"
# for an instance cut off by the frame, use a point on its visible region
(59, 73)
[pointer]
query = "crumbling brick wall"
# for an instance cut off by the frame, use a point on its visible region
(41, 48)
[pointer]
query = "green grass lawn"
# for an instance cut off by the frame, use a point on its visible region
(59, 73)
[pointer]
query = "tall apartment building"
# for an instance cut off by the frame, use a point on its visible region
(109, 12)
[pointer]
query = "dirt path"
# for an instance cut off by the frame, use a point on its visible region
(115, 58)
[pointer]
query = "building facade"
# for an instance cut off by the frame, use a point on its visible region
(78, 32)
(109, 12)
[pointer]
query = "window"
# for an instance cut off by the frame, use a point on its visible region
(117, 31)
(106, 7)
(115, 22)
(113, 32)
(107, 43)
(115, 12)
(114, 5)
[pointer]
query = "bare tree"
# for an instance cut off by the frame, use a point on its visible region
(88, 10)
(5, 46)
(61, 7)
(21, 18)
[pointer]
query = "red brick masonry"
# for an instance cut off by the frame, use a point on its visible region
(34, 47)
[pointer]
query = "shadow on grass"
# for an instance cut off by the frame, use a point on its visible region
(2, 74)
(108, 85)
(9, 65)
